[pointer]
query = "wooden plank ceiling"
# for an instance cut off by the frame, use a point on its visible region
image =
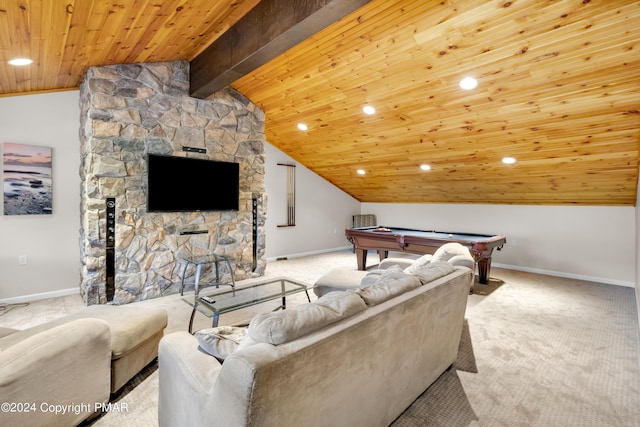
(66, 37)
(558, 90)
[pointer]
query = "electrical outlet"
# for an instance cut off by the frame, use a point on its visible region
(22, 260)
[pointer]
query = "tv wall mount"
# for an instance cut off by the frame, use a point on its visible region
(194, 149)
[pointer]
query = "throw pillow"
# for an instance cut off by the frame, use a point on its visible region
(462, 260)
(220, 341)
(419, 263)
(449, 250)
(390, 272)
(392, 282)
(433, 271)
(402, 262)
(372, 277)
(287, 325)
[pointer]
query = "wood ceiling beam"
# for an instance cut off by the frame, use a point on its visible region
(265, 32)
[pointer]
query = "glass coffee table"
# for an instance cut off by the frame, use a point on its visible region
(214, 303)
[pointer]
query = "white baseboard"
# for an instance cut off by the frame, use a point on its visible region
(566, 275)
(302, 254)
(37, 297)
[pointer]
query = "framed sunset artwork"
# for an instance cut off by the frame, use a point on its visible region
(27, 179)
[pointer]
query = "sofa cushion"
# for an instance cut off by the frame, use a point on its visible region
(419, 263)
(220, 341)
(130, 324)
(402, 262)
(371, 277)
(287, 325)
(338, 279)
(432, 271)
(391, 283)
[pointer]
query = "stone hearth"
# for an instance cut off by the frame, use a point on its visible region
(129, 111)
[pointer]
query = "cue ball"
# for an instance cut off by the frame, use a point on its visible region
(450, 235)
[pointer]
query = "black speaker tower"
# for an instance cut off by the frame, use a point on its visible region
(254, 210)
(111, 244)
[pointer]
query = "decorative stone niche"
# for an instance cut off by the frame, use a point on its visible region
(128, 111)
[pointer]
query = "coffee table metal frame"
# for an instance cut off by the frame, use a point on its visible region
(246, 296)
(199, 261)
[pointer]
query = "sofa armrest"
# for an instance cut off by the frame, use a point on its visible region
(68, 365)
(187, 376)
(4, 332)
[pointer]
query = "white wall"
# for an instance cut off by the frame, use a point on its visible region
(50, 242)
(637, 234)
(591, 243)
(323, 211)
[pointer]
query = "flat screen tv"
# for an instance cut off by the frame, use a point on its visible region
(183, 184)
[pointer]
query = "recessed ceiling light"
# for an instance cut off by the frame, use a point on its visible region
(361, 172)
(302, 126)
(468, 83)
(20, 61)
(508, 160)
(368, 109)
(425, 167)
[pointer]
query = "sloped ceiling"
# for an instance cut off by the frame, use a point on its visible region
(558, 89)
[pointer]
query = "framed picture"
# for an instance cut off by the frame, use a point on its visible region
(27, 179)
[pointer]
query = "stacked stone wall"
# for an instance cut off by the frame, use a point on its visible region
(129, 111)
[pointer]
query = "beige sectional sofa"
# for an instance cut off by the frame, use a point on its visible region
(350, 358)
(66, 368)
(47, 375)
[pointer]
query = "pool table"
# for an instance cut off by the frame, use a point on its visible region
(385, 239)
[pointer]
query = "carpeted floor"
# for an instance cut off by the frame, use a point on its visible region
(535, 351)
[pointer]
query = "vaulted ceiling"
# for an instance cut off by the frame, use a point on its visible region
(558, 89)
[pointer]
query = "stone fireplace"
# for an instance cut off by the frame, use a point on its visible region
(129, 111)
